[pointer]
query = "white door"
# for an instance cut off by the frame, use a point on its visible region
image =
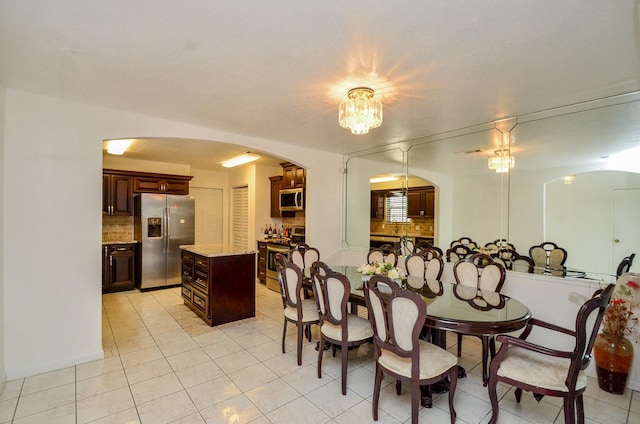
(626, 227)
(208, 219)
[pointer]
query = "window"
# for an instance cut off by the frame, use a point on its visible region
(396, 207)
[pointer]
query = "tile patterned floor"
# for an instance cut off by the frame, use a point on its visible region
(164, 365)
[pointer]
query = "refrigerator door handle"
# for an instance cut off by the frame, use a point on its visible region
(164, 230)
(168, 226)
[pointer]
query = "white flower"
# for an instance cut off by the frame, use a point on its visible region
(394, 273)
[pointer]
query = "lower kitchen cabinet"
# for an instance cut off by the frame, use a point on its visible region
(262, 262)
(219, 289)
(118, 267)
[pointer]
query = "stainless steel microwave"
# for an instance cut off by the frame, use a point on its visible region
(292, 199)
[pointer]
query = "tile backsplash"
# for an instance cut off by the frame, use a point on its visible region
(416, 228)
(117, 228)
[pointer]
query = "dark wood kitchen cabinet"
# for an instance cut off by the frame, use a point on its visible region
(118, 267)
(377, 203)
(262, 262)
(276, 186)
(219, 289)
(117, 194)
(163, 184)
(420, 202)
(293, 176)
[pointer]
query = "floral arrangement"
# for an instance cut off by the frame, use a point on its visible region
(381, 268)
(619, 318)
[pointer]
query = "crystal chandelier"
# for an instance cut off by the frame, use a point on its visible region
(501, 161)
(361, 111)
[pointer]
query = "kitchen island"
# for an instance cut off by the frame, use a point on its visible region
(218, 282)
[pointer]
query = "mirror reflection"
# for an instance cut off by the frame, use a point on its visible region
(575, 183)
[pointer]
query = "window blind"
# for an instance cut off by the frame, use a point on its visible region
(396, 207)
(240, 218)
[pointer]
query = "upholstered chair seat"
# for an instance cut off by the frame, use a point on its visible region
(539, 370)
(433, 361)
(309, 312)
(358, 328)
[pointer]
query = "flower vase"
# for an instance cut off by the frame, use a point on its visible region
(613, 355)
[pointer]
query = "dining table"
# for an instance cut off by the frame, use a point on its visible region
(451, 307)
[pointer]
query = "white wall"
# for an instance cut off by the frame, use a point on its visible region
(2, 245)
(52, 198)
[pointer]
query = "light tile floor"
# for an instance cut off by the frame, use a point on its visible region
(164, 365)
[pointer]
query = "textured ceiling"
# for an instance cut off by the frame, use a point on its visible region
(277, 70)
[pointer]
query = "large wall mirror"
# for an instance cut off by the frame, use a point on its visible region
(575, 182)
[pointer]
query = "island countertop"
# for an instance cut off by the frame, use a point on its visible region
(214, 250)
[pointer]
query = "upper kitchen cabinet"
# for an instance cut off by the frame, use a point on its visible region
(293, 176)
(160, 183)
(117, 194)
(377, 203)
(276, 186)
(420, 202)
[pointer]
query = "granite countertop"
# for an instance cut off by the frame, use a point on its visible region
(282, 241)
(214, 250)
(119, 242)
(379, 237)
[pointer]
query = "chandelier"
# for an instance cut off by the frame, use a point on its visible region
(501, 161)
(361, 111)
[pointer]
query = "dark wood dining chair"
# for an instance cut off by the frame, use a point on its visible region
(481, 272)
(498, 244)
(297, 310)
(521, 263)
(625, 265)
(434, 269)
(385, 253)
(458, 252)
(407, 246)
(548, 256)
(416, 265)
(304, 255)
(546, 371)
(421, 245)
(337, 327)
(397, 317)
(504, 257)
(464, 241)
(430, 252)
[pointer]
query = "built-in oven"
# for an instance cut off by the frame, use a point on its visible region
(272, 272)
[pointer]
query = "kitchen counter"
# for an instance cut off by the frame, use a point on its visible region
(104, 243)
(282, 241)
(215, 250)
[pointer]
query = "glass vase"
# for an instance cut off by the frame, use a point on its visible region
(613, 355)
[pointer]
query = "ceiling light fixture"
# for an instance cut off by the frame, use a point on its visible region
(361, 112)
(568, 179)
(118, 147)
(240, 160)
(383, 179)
(501, 161)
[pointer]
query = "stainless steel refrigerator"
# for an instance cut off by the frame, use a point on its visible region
(162, 223)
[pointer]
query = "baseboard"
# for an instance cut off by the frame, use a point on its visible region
(55, 365)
